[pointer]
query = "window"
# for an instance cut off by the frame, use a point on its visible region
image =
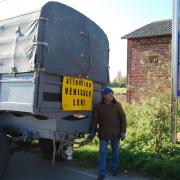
(152, 59)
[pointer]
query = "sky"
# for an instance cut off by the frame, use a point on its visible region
(115, 17)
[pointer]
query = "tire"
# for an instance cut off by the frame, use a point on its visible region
(4, 153)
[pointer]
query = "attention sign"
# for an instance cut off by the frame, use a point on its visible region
(77, 93)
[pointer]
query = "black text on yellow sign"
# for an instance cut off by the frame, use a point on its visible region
(77, 93)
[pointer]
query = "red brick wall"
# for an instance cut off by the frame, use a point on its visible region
(139, 65)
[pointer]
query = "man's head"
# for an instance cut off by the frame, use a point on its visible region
(108, 94)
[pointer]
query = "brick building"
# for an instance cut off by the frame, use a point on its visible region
(149, 52)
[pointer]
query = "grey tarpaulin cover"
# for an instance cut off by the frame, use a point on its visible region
(57, 38)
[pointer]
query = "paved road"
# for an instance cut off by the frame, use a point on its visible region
(32, 166)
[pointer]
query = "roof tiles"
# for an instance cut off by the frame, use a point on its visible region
(157, 28)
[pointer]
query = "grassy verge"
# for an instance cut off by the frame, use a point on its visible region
(87, 155)
(145, 164)
(147, 149)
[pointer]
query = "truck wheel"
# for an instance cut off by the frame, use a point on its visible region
(4, 152)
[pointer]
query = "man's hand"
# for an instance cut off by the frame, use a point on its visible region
(122, 136)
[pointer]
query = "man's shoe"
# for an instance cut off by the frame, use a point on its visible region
(100, 177)
(114, 172)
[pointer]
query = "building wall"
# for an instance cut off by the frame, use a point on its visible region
(147, 57)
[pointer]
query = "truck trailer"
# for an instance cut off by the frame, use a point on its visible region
(54, 63)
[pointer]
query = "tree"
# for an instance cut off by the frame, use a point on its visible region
(119, 80)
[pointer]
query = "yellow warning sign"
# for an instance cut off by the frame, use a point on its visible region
(77, 93)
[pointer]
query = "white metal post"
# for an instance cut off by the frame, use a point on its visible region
(174, 70)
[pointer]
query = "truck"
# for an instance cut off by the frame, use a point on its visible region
(54, 63)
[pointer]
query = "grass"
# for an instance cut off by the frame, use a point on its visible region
(119, 91)
(145, 164)
(87, 155)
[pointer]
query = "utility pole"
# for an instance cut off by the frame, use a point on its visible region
(174, 70)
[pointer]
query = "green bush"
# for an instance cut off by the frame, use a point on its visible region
(148, 125)
(147, 148)
(119, 90)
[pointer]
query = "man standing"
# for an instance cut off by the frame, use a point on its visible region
(110, 119)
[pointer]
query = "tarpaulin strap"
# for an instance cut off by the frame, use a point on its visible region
(90, 64)
(90, 59)
(18, 33)
(43, 18)
(84, 56)
(42, 43)
(83, 33)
